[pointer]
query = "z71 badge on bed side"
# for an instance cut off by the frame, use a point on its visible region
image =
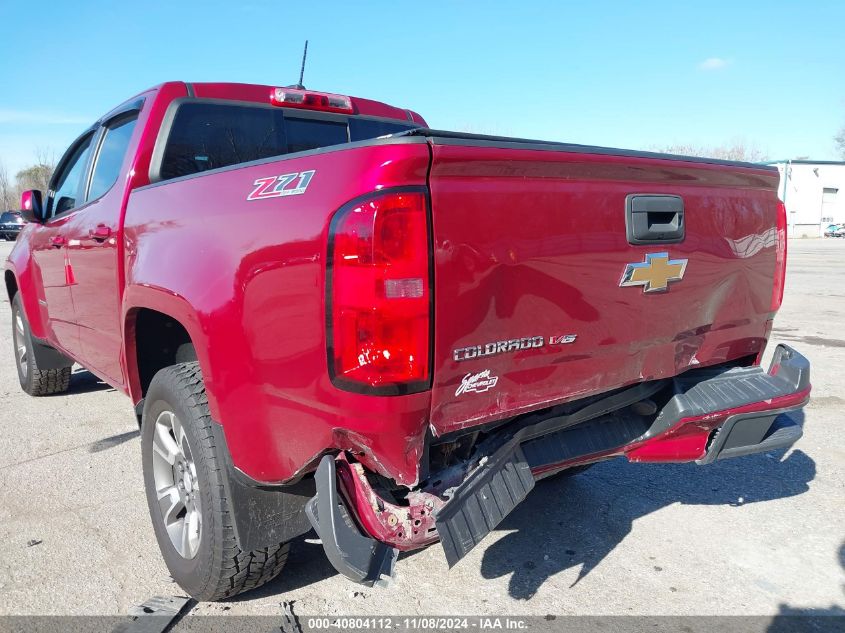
(277, 186)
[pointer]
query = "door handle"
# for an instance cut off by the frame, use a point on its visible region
(57, 241)
(101, 233)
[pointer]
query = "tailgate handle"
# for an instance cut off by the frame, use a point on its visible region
(654, 219)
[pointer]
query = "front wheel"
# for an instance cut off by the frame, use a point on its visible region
(191, 515)
(34, 380)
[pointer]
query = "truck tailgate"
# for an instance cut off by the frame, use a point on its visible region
(530, 247)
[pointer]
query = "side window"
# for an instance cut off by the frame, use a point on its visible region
(69, 182)
(110, 157)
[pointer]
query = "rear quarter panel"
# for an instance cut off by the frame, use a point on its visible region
(249, 279)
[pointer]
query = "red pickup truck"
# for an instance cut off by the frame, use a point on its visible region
(329, 316)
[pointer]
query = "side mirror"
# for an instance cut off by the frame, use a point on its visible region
(32, 209)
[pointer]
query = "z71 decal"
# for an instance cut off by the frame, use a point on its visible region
(277, 186)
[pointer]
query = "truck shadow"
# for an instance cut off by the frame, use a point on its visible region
(593, 512)
(799, 619)
(83, 381)
(112, 441)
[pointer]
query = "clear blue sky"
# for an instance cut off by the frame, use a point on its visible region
(626, 74)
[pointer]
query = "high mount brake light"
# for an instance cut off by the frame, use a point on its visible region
(780, 258)
(293, 98)
(378, 295)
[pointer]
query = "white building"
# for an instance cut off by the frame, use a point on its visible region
(814, 194)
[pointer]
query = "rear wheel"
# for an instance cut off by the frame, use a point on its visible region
(183, 477)
(34, 381)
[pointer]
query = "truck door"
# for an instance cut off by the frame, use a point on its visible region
(49, 244)
(93, 250)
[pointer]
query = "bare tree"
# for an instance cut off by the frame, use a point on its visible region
(839, 139)
(37, 176)
(8, 191)
(45, 156)
(735, 150)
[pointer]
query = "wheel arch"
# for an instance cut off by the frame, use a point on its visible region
(22, 276)
(161, 329)
(11, 284)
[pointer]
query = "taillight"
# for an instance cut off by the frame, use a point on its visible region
(780, 258)
(378, 294)
(309, 100)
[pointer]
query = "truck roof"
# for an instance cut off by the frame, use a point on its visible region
(260, 93)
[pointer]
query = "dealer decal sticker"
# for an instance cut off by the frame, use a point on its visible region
(479, 383)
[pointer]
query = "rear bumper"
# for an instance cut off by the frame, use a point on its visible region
(707, 415)
(729, 414)
(753, 433)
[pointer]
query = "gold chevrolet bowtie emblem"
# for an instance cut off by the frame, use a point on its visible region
(654, 273)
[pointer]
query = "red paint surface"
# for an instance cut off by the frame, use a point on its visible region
(532, 243)
(526, 243)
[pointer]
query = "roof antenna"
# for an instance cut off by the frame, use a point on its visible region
(300, 86)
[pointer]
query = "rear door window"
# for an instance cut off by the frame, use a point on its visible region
(110, 157)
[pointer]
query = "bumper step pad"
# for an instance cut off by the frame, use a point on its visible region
(482, 501)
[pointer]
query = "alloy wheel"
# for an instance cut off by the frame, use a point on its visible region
(177, 484)
(20, 345)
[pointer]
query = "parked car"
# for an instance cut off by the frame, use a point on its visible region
(831, 230)
(11, 224)
(402, 330)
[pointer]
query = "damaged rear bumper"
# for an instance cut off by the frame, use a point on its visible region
(705, 415)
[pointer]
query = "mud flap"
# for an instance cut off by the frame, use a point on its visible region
(358, 557)
(480, 503)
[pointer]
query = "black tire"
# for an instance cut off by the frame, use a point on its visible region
(34, 381)
(219, 569)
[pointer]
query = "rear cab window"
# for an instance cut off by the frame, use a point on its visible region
(207, 135)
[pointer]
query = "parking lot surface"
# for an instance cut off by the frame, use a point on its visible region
(758, 535)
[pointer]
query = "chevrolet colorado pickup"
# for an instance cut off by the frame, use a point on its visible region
(329, 316)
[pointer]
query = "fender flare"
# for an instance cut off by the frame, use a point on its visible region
(20, 265)
(176, 307)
